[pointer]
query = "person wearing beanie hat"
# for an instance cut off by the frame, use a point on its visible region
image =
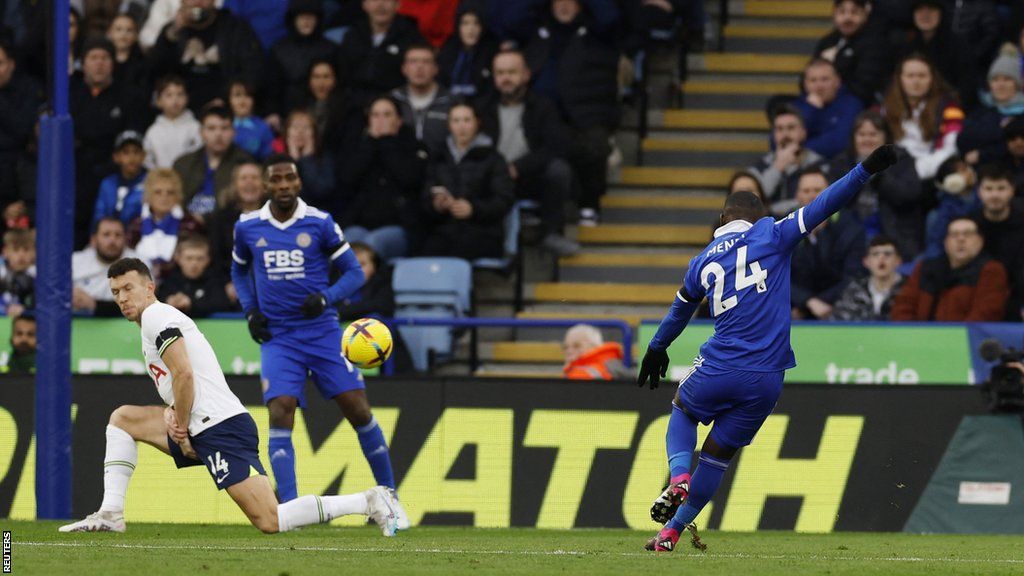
(981, 140)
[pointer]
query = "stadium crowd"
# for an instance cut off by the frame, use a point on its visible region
(419, 125)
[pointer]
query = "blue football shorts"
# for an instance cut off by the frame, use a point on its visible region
(292, 356)
(737, 401)
(228, 449)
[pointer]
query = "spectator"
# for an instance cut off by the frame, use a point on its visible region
(869, 299)
(857, 48)
(120, 193)
(1000, 221)
(154, 234)
(923, 119)
(964, 285)
(1013, 135)
(588, 357)
(827, 109)
(382, 180)
(22, 359)
(468, 193)
(981, 139)
(743, 181)
(90, 293)
(266, 17)
(161, 13)
(246, 193)
(337, 118)
(252, 134)
(465, 59)
(130, 65)
(827, 259)
(206, 47)
(18, 272)
(376, 297)
(176, 130)
(102, 109)
(574, 59)
(372, 51)
(99, 14)
(206, 173)
(955, 182)
(19, 102)
(892, 202)
(533, 140)
(932, 35)
(192, 285)
(316, 167)
(292, 56)
(977, 23)
(779, 170)
(423, 103)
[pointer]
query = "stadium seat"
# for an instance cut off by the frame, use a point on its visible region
(431, 288)
(511, 263)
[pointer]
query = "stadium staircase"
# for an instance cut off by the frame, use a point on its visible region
(656, 217)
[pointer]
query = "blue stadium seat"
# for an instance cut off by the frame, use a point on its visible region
(511, 263)
(431, 288)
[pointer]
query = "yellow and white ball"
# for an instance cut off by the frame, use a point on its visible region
(366, 343)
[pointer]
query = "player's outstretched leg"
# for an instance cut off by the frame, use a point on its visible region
(280, 447)
(680, 441)
(127, 424)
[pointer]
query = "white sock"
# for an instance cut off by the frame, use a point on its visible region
(309, 509)
(118, 466)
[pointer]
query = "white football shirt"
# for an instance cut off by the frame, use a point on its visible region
(214, 402)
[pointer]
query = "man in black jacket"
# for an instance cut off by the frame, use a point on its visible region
(422, 102)
(1001, 223)
(574, 58)
(102, 109)
(291, 56)
(19, 104)
(370, 59)
(857, 48)
(531, 137)
(208, 47)
(192, 286)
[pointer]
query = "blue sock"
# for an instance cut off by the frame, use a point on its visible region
(282, 461)
(680, 440)
(375, 448)
(705, 481)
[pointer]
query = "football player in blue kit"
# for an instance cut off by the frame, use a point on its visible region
(282, 256)
(736, 379)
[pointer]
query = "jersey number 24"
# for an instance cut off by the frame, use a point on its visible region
(746, 276)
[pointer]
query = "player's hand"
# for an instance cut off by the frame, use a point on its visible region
(883, 157)
(258, 328)
(187, 450)
(314, 305)
(653, 368)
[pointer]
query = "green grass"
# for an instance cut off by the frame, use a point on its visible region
(158, 549)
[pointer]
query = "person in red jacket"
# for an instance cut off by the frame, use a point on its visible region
(588, 357)
(965, 285)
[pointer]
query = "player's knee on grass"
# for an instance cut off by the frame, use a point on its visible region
(282, 411)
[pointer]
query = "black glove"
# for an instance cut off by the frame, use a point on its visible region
(653, 368)
(258, 326)
(314, 305)
(883, 157)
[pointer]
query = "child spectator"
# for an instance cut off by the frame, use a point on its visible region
(130, 65)
(376, 297)
(176, 130)
(192, 286)
(18, 271)
(465, 59)
(252, 134)
(291, 56)
(120, 193)
(870, 299)
(154, 235)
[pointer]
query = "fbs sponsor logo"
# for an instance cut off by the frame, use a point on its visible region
(888, 374)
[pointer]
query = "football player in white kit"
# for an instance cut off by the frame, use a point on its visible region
(204, 424)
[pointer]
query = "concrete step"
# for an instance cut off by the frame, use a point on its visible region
(688, 159)
(711, 119)
(772, 45)
(677, 177)
(540, 371)
(637, 234)
(644, 216)
(669, 200)
(633, 319)
(740, 86)
(786, 9)
(622, 274)
(741, 145)
(635, 258)
(523, 352)
(764, 28)
(607, 293)
(748, 62)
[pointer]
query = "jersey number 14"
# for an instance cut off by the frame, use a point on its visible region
(746, 276)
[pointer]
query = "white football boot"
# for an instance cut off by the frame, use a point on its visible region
(403, 518)
(381, 509)
(97, 522)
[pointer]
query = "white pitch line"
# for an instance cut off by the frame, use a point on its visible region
(712, 555)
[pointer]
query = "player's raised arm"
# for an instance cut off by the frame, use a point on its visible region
(798, 224)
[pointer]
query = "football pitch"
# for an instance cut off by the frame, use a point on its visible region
(158, 549)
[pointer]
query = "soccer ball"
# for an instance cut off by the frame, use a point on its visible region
(366, 343)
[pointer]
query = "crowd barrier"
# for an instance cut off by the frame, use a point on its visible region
(557, 454)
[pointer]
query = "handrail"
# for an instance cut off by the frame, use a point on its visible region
(622, 326)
